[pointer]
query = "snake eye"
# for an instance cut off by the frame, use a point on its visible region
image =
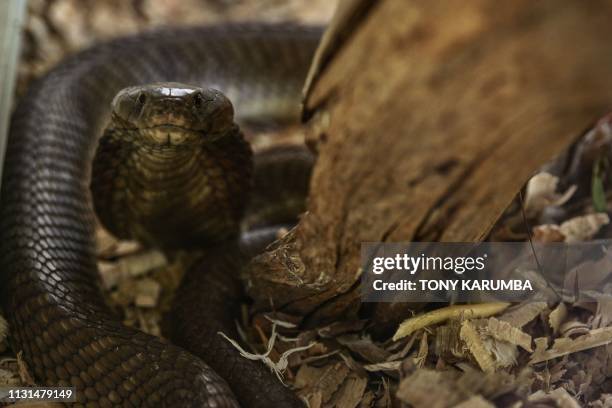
(142, 98)
(198, 99)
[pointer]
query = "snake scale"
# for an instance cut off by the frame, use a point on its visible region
(49, 283)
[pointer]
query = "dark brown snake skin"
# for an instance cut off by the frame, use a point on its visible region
(49, 285)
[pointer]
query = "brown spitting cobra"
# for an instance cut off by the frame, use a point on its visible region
(49, 284)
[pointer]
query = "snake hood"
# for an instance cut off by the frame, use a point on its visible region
(172, 114)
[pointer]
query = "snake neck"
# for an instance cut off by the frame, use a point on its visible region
(200, 190)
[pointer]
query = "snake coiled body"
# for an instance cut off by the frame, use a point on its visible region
(50, 294)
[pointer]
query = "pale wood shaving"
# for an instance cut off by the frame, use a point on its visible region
(563, 346)
(503, 330)
(404, 350)
(475, 401)
(450, 312)
(557, 317)
(107, 246)
(504, 354)
(419, 359)
(573, 328)
(559, 396)
(525, 313)
(541, 193)
(547, 233)
(447, 343)
(584, 227)
(477, 349)
(386, 366)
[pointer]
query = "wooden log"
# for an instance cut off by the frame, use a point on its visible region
(428, 117)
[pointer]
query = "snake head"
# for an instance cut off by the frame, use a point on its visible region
(173, 114)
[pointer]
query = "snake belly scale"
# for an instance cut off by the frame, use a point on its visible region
(48, 276)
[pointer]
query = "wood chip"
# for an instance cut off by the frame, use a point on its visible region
(524, 313)
(416, 390)
(386, 366)
(319, 384)
(450, 312)
(24, 373)
(113, 273)
(4, 329)
(350, 392)
(337, 328)
(365, 348)
(147, 293)
(447, 343)
(573, 328)
(107, 246)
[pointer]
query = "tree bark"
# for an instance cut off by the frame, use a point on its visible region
(428, 117)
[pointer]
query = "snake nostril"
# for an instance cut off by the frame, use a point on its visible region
(197, 100)
(142, 99)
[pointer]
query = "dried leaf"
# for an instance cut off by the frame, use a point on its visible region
(450, 312)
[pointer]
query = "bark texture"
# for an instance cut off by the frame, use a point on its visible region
(428, 117)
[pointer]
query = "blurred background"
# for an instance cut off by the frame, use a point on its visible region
(55, 28)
